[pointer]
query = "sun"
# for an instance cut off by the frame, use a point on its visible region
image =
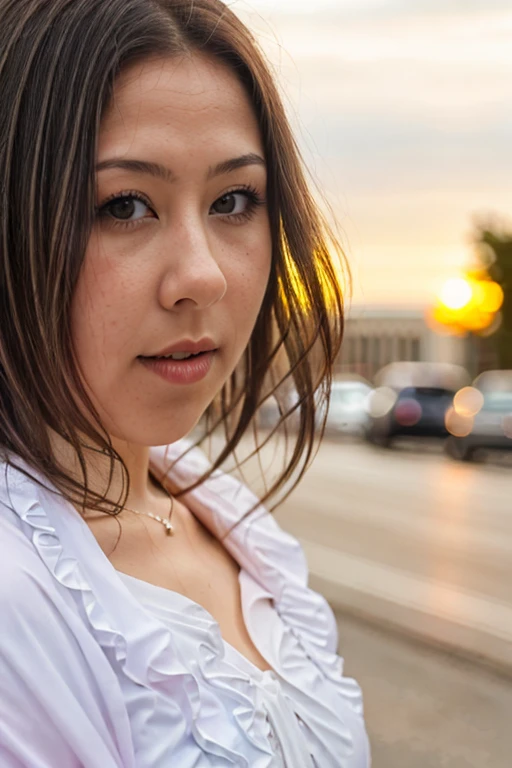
(456, 293)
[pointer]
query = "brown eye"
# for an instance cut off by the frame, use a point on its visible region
(124, 208)
(233, 203)
(225, 205)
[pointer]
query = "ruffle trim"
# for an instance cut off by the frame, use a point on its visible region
(304, 637)
(149, 657)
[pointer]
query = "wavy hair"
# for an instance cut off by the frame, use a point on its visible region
(59, 60)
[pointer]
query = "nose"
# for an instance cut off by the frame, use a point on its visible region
(193, 278)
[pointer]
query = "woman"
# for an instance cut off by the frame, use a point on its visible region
(160, 255)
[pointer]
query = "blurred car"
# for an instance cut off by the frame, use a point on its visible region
(272, 411)
(347, 413)
(412, 400)
(481, 417)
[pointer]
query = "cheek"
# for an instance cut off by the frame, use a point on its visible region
(102, 312)
(249, 282)
(262, 269)
(254, 267)
(245, 299)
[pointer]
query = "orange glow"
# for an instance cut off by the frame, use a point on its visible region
(457, 425)
(467, 304)
(330, 290)
(468, 401)
(492, 298)
(476, 320)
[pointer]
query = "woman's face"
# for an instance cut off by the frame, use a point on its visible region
(179, 257)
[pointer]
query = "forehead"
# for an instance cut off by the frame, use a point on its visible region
(186, 106)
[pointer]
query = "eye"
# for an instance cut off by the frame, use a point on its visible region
(232, 203)
(126, 209)
(237, 205)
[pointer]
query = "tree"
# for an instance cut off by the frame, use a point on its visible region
(494, 250)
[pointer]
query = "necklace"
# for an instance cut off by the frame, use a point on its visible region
(169, 528)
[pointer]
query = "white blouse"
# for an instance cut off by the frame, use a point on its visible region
(101, 670)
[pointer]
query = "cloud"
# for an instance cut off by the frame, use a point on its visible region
(403, 111)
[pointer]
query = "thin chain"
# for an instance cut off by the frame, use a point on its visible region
(169, 528)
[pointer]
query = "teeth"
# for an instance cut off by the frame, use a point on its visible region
(176, 356)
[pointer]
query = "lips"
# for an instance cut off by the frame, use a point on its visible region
(176, 356)
(185, 346)
(190, 370)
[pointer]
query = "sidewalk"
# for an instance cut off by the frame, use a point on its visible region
(467, 624)
(411, 541)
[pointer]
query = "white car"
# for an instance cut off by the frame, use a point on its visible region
(347, 414)
(482, 416)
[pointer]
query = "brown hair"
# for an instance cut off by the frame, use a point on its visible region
(58, 63)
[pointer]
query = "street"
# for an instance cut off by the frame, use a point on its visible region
(421, 548)
(414, 553)
(412, 538)
(425, 708)
(432, 517)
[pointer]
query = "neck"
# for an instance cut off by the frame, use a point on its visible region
(144, 491)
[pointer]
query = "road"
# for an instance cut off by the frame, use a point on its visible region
(434, 517)
(413, 541)
(425, 708)
(413, 538)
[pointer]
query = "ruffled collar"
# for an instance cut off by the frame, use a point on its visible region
(298, 639)
(142, 646)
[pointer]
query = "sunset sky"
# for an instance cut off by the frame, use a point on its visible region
(403, 109)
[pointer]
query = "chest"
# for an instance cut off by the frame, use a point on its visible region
(193, 563)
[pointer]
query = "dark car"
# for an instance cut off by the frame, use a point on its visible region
(413, 412)
(412, 399)
(482, 416)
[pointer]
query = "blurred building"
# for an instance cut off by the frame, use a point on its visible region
(375, 337)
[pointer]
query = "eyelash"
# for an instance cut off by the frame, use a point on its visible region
(254, 200)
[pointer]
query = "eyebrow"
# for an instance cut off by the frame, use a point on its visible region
(162, 172)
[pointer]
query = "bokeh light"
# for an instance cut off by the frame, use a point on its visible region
(457, 425)
(468, 401)
(469, 303)
(507, 425)
(381, 401)
(456, 293)
(408, 412)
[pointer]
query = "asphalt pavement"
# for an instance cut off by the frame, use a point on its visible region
(414, 552)
(411, 539)
(425, 708)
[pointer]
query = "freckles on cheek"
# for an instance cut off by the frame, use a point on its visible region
(100, 311)
(248, 299)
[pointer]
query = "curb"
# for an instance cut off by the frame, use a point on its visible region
(470, 626)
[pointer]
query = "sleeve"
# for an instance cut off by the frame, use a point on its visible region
(56, 710)
(302, 633)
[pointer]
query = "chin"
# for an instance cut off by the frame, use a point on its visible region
(158, 431)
